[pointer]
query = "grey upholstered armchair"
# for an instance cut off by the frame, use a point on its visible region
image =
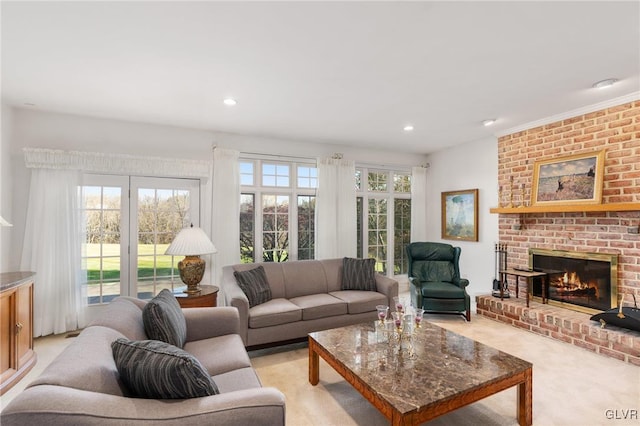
(434, 276)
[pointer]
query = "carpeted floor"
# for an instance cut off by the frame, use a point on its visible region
(571, 386)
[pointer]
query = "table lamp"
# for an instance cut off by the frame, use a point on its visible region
(191, 243)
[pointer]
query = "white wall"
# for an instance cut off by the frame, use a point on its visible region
(6, 190)
(37, 129)
(468, 166)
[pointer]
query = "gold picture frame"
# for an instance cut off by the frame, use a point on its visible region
(460, 215)
(574, 179)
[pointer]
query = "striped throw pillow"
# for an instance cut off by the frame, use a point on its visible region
(163, 319)
(154, 369)
(358, 274)
(255, 285)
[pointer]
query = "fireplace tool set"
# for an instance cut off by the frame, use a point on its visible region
(500, 262)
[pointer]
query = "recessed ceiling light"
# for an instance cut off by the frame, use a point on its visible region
(488, 122)
(603, 84)
(408, 128)
(230, 101)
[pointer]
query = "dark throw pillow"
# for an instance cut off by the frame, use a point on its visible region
(154, 369)
(255, 285)
(163, 319)
(358, 274)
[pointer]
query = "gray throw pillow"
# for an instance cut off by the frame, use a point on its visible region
(254, 285)
(358, 274)
(163, 319)
(154, 369)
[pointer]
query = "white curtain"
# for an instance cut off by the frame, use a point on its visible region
(419, 203)
(336, 209)
(221, 218)
(52, 250)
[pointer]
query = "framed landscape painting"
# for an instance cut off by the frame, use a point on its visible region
(575, 179)
(460, 215)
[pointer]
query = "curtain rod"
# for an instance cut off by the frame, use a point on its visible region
(259, 155)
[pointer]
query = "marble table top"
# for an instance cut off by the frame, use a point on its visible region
(428, 366)
(12, 279)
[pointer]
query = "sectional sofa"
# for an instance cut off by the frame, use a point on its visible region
(306, 296)
(83, 386)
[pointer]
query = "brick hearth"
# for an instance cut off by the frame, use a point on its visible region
(563, 324)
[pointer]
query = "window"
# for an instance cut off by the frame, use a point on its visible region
(102, 204)
(246, 174)
(307, 177)
(275, 228)
(126, 236)
(275, 175)
(282, 209)
(384, 218)
(306, 226)
(247, 228)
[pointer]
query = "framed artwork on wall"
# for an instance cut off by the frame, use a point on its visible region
(460, 215)
(574, 179)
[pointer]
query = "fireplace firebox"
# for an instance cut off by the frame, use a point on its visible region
(585, 282)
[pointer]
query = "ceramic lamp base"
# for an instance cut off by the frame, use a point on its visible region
(191, 272)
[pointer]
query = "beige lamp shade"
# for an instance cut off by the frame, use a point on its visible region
(191, 243)
(4, 222)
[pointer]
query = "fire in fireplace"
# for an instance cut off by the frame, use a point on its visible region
(586, 282)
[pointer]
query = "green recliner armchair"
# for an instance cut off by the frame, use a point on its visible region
(434, 276)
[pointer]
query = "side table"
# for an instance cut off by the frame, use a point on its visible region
(528, 276)
(207, 297)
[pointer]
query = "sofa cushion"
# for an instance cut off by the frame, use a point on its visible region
(442, 290)
(319, 306)
(237, 380)
(86, 364)
(155, 369)
(254, 285)
(274, 312)
(220, 354)
(124, 314)
(163, 319)
(361, 301)
(358, 274)
(303, 278)
(433, 270)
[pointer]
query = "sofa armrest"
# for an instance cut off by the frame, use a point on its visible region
(461, 282)
(203, 323)
(387, 286)
(57, 405)
(234, 296)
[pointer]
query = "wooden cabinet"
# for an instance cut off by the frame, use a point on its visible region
(16, 327)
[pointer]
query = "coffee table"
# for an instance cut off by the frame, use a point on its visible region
(432, 373)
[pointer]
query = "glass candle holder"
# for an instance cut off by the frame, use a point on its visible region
(397, 321)
(419, 313)
(398, 304)
(382, 312)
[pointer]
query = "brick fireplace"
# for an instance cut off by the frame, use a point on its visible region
(617, 131)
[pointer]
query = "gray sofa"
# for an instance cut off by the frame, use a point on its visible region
(82, 386)
(306, 297)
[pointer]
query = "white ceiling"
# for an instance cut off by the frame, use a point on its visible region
(351, 73)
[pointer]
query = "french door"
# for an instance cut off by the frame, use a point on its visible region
(129, 223)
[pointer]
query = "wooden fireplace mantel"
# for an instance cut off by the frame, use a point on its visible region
(568, 208)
